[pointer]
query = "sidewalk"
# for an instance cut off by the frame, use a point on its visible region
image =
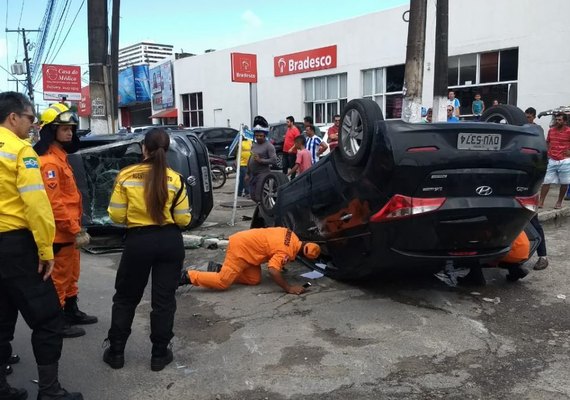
(216, 230)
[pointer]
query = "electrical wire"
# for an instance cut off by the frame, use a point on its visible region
(66, 9)
(56, 30)
(19, 26)
(69, 30)
(42, 38)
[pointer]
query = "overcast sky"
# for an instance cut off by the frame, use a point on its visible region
(192, 25)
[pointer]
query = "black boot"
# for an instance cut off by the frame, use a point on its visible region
(70, 331)
(516, 272)
(49, 387)
(74, 316)
(14, 359)
(161, 357)
(475, 277)
(114, 354)
(7, 392)
(214, 267)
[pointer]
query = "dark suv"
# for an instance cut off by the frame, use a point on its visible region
(217, 140)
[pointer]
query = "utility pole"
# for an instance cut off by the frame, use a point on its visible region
(114, 59)
(30, 85)
(441, 62)
(98, 73)
(413, 79)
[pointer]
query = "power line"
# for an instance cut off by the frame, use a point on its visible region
(69, 30)
(48, 53)
(63, 18)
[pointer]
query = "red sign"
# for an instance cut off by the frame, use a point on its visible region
(84, 106)
(305, 61)
(244, 67)
(61, 81)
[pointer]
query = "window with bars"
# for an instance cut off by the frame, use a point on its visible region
(192, 109)
(384, 86)
(492, 74)
(325, 97)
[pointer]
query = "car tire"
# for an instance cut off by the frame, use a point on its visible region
(267, 190)
(357, 130)
(504, 114)
(218, 177)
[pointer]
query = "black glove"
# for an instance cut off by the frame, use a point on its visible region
(184, 278)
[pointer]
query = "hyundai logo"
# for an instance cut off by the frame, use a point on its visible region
(484, 190)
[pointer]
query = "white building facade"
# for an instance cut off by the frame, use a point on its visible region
(143, 53)
(508, 50)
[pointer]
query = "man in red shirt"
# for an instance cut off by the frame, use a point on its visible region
(558, 171)
(289, 150)
(332, 134)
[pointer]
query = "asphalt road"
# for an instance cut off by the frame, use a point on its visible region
(399, 337)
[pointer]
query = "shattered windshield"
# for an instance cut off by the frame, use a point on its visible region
(101, 166)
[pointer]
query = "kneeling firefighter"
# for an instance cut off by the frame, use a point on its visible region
(58, 138)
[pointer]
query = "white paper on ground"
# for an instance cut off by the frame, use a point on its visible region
(312, 275)
(321, 265)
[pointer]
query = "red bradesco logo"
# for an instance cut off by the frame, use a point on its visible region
(305, 61)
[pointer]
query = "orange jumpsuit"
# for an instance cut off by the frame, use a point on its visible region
(246, 252)
(520, 250)
(65, 201)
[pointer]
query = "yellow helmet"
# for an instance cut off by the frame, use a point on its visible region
(58, 114)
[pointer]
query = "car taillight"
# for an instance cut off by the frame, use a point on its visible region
(423, 149)
(529, 150)
(401, 206)
(530, 203)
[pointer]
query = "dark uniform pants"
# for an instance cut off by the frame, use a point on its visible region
(23, 289)
(159, 250)
(541, 250)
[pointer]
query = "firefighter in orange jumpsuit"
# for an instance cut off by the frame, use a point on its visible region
(247, 250)
(58, 138)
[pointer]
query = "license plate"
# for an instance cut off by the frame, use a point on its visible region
(479, 141)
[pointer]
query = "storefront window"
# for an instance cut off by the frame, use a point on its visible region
(468, 69)
(493, 75)
(509, 65)
(453, 71)
(324, 97)
(390, 100)
(192, 109)
(489, 67)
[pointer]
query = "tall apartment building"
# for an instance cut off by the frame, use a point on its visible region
(143, 53)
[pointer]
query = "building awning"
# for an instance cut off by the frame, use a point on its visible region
(168, 113)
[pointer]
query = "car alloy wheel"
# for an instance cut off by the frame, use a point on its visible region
(269, 194)
(356, 132)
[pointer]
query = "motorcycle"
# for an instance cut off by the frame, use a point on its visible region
(218, 169)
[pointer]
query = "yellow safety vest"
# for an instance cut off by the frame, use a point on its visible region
(128, 206)
(24, 203)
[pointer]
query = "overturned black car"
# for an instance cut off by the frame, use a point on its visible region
(395, 193)
(101, 158)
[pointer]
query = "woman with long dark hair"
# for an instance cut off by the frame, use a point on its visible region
(151, 200)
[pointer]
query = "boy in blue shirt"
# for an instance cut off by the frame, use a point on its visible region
(478, 106)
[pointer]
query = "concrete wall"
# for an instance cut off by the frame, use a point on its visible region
(379, 40)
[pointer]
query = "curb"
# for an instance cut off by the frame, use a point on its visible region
(554, 215)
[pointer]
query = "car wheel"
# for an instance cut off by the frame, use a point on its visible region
(357, 130)
(504, 114)
(218, 177)
(267, 190)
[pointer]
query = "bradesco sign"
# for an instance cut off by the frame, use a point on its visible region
(305, 61)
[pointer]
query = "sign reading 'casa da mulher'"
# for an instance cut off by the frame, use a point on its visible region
(305, 61)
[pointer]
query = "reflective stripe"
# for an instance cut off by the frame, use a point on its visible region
(9, 156)
(171, 186)
(178, 212)
(136, 184)
(117, 205)
(30, 188)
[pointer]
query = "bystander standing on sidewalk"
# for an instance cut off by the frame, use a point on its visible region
(558, 170)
